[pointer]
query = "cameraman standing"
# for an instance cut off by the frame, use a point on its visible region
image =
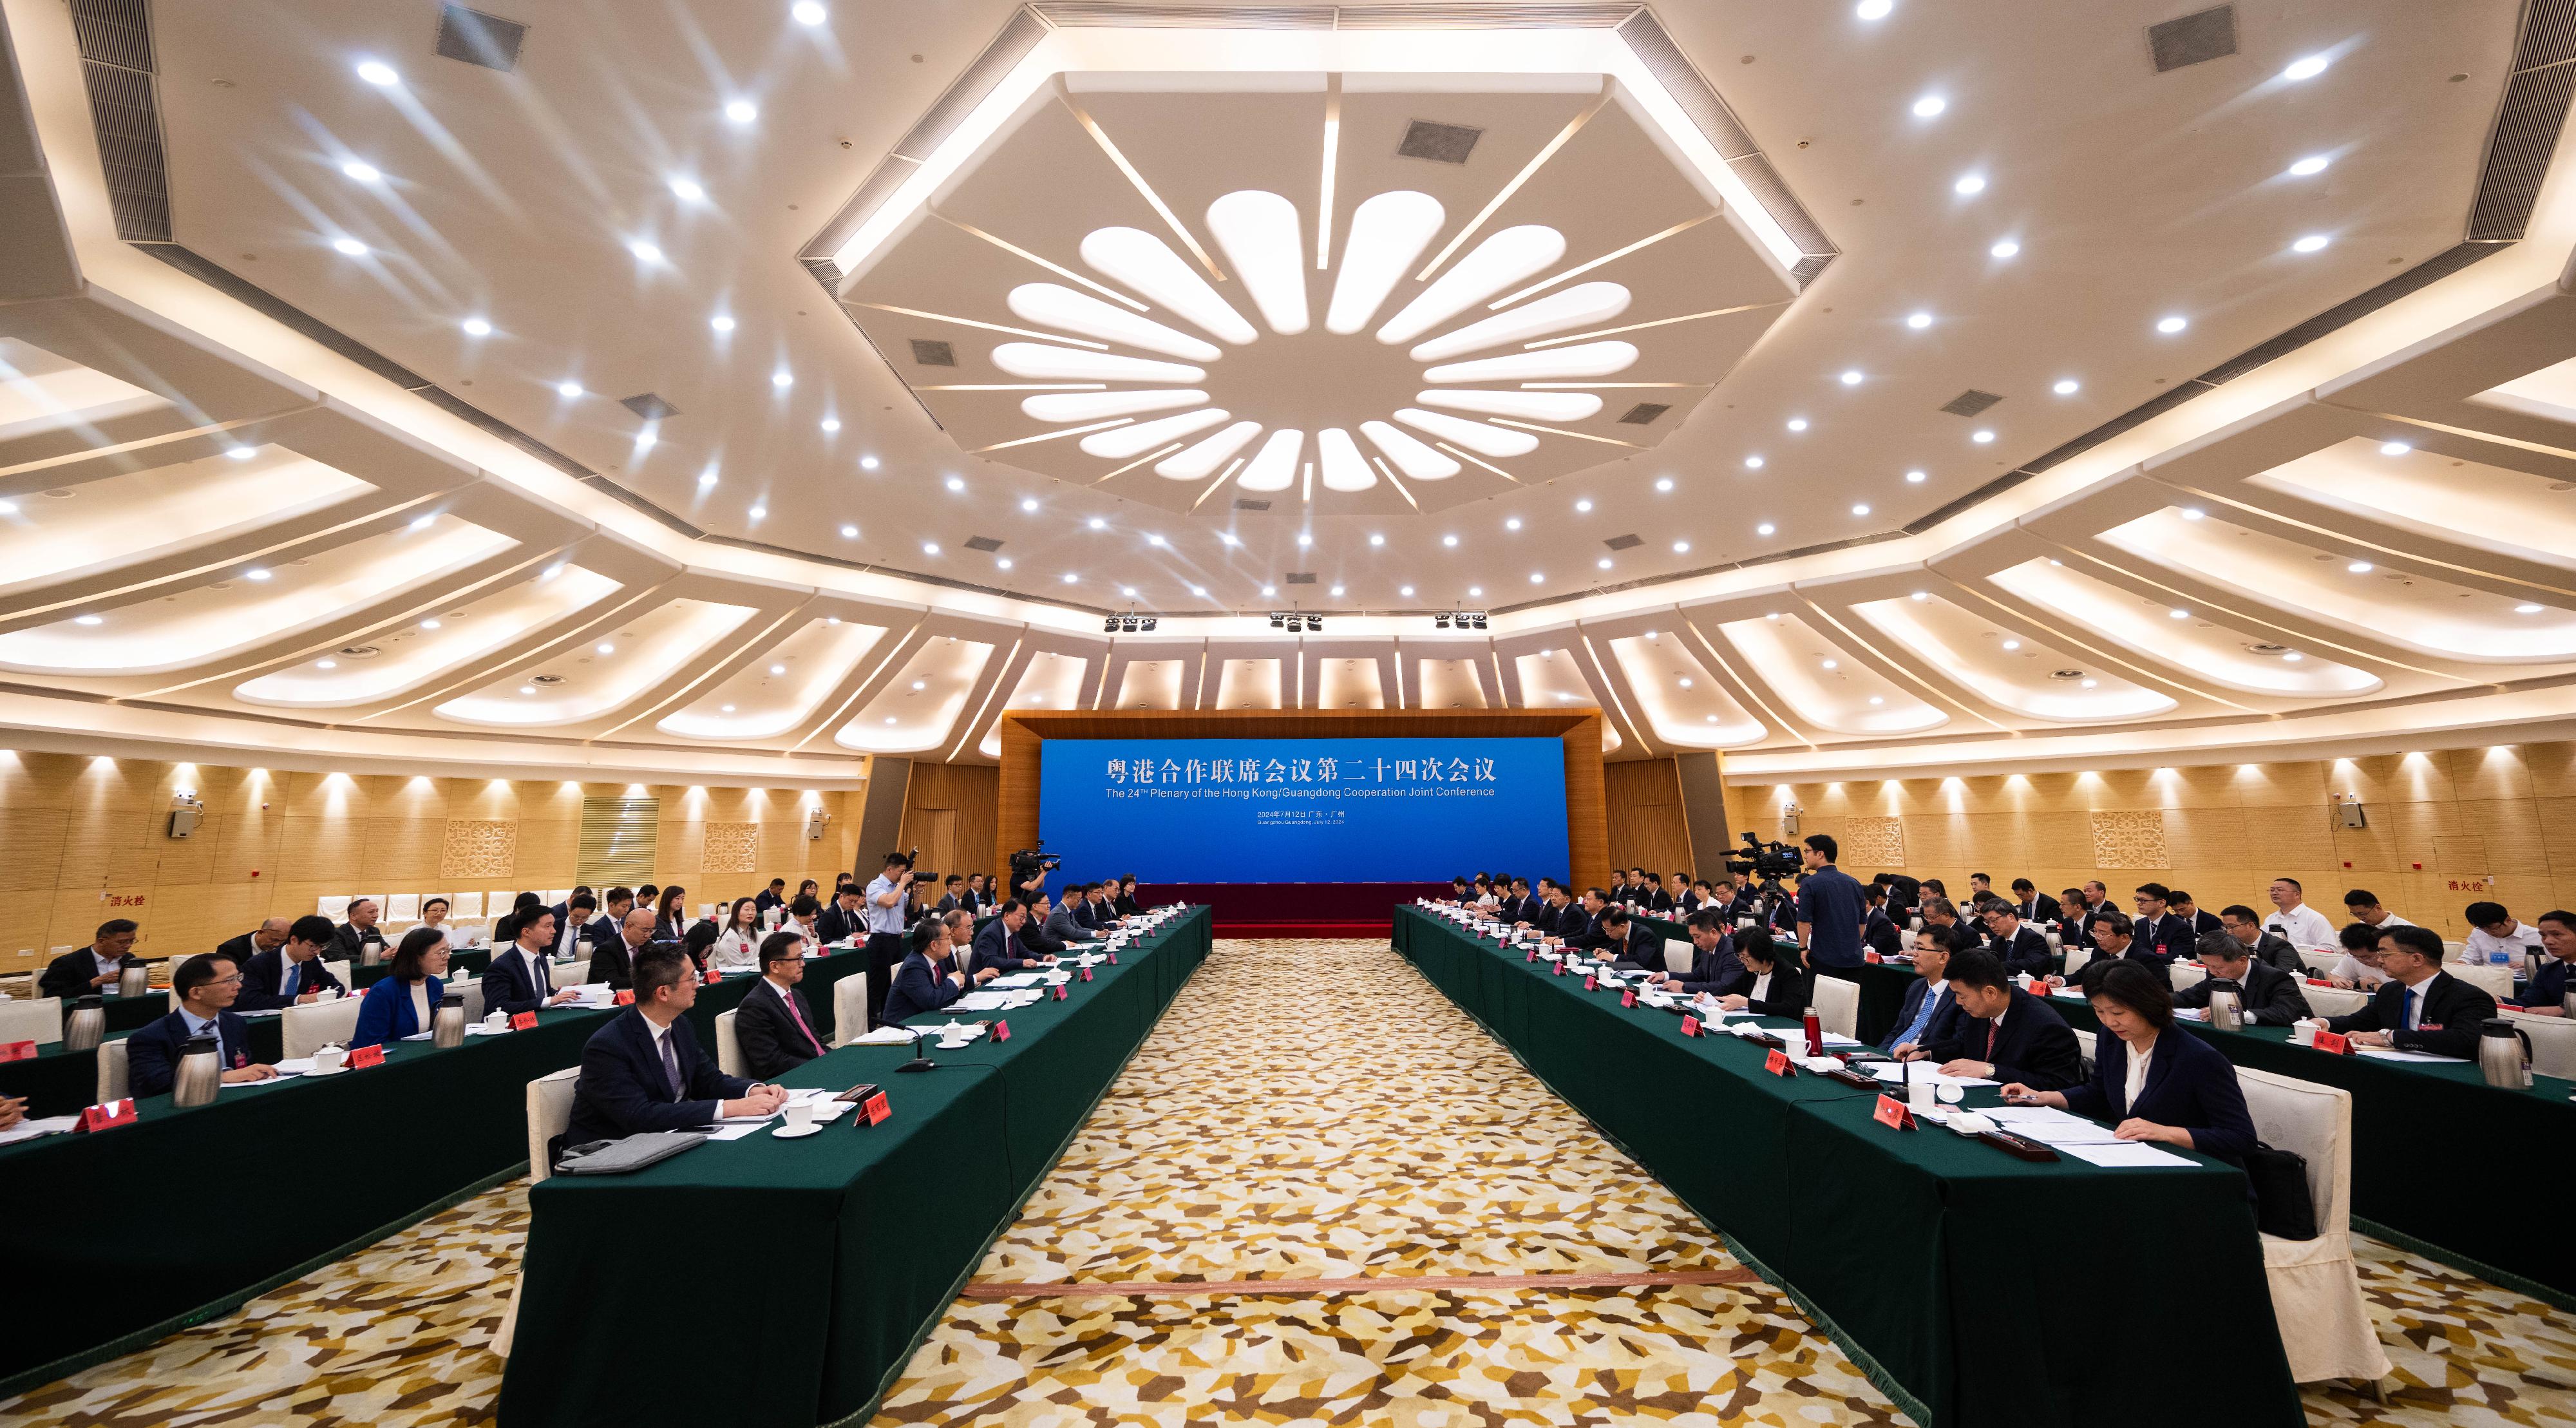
(887, 911)
(1830, 910)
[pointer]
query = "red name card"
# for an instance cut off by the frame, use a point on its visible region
(626, 998)
(524, 1021)
(18, 1051)
(1777, 1063)
(1892, 1114)
(1560, 969)
(1001, 1031)
(1871, 957)
(2320, 981)
(1059, 991)
(1690, 1026)
(874, 1111)
(1113, 959)
(714, 976)
(108, 1115)
(2335, 1042)
(1627, 996)
(366, 1056)
(1591, 983)
(1532, 957)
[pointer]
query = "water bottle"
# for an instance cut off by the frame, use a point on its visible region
(87, 1025)
(447, 1026)
(1815, 1033)
(200, 1073)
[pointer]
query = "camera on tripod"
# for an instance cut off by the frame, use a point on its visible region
(1029, 865)
(1765, 862)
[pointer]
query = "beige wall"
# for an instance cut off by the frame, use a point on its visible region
(1647, 829)
(83, 840)
(2444, 829)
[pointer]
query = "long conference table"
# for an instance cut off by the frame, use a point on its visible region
(136, 1232)
(1979, 1290)
(794, 1277)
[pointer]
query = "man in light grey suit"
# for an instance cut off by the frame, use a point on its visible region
(1063, 926)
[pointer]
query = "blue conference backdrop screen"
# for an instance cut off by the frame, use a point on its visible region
(1303, 810)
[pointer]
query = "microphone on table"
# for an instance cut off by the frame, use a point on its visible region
(918, 1062)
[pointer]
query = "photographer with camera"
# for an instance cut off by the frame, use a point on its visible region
(1830, 908)
(888, 911)
(1029, 869)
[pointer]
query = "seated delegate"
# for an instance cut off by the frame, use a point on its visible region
(644, 1072)
(521, 975)
(290, 972)
(2020, 948)
(1713, 959)
(2173, 1088)
(403, 1000)
(92, 970)
(1767, 983)
(2270, 996)
(2545, 994)
(2420, 1007)
(933, 975)
(2002, 1032)
(207, 985)
(1929, 1008)
(774, 1026)
(998, 945)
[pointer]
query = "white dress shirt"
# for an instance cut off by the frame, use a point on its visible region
(736, 948)
(2302, 927)
(2137, 1081)
(2484, 945)
(420, 1003)
(2351, 970)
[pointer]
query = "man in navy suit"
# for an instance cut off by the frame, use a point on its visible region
(207, 985)
(292, 971)
(2004, 1033)
(644, 1072)
(1576, 922)
(2420, 1007)
(2020, 949)
(1878, 931)
(2115, 939)
(1930, 1013)
(774, 1026)
(998, 945)
(931, 978)
(1629, 943)
(2269, 996)
(521, 977)
(2157, 927)
(1713, 959)
(2179, 904)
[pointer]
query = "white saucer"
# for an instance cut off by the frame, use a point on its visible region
(317, 1071)
(792, 1133)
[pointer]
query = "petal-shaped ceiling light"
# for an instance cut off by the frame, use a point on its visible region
(1122, 442)
(1145, 263)
(1343, 466)
(1495, 264)
(1059, 306)
(1259, 232)
(1274, 466)
(1528, 406)
(1579, 306)
(1474, 435)
(1038, 361)
(1387, 233)
(1416, 460)
(1199, 462)
(1093, 406)
(1589, 359)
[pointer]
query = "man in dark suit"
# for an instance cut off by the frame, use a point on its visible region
(2004, 1033)
(953, 894)
(289, 973)
(774, 895)
(843, 922)
(1599, 933)
(2020, 949)
(267, 937)
(613, 961)
(521, 977)
(1657, 898)
(1066, 924)
(1941, 917)
(2115, 939)
(611, 922)
(2269, 995)
(1629, 943)
(1575, 921)
(1878, 931)
(2544, 991)
(1034, 939)
(1930, 1012)
(773, 1026)
(2179, 904)
(92, 970)
(359, 940)
(934, 973)
(977, 896)
(572, 930)
(2238, 921)
(2158, 928)
(1713, 959)
(1517, 904)
(997, 945)
(206, 985)
(644, 1072)
(2420, 1007)
(2034, 905)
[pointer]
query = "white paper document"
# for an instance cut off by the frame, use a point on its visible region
(2124, 1155)
(885, 1036)
(2387, 1053)
(45, 1125)
(734, 1131)
(1016, 979)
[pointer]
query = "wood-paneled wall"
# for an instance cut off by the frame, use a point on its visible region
(953, 813)
(86, 839)
(2442, 829)
(1647, 826)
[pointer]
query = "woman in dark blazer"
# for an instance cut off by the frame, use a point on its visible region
(1768, 984)
(2187, 1093)
(404, 999)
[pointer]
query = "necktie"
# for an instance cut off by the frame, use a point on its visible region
(790, 999)
(2407, 1018)
(1990, 1040)
(671, 1065)
(286, 984)
(540, 974)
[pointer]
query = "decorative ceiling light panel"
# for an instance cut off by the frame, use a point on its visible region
(917, 708)
(1686, 706)
(1556, 679)
(2513, 513)
(1824, 683)
(1448, 684)
(2008, 667)
(151, 518)
(1160, 284)
(1049, 681)
(404, 659)
(779, 688)
(2200, 650)
(1250, 684)
(578, 684)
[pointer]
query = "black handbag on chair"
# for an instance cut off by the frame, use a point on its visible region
(2283, 1208)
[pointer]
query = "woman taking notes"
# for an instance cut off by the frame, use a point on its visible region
(402, 1001)
(2153, 1083)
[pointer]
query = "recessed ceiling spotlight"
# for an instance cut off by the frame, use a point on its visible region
(782, 380)
(1922, 595)
(721, 324)
(1797, 423)
(1449, 540)
(1538, 577)
(2067, 387)
(1765, 528)
(242, 453)
(1405, 590)
(2358, 567)
(567, 390)
(1155, 541)
(2172, 325)
(2293, 657)
(2193, 513)
(1860, 510)
(955, 483)
(326, 664)
(2177, 614)
(1982, 437)
(809, 12)
(1304, 539)
(1663, 483)
(377, 73)
(429, 624)
(889, 718)
(1918, 321)
(2313, 243)
(1874, 9)
(1226, 538)
(867, 463)
(255, 573)
(1681, 547)
(849, 532)
(1583, 505)
(1337, 592)
(2526, 609)
(1269, 590)
(1376, 539)
(1071, 578)
(706, 478)
(742, 111)
(2394, 448)
(100, 620)
(1851, 378)
(1753, 463)
(362, 171)
(476, 327)
(1474, 592)
(2310, 166)
(350, 246)
(728, 709)
(930, 547)
(1513, 524)
(688, 190)
(1127, 590)
(1930, 106)
(1969, 184)
(1028, 503)
(760, 513)
(2012, 644)
(644, 252)
(527, 689)
(1097, 524)
(1914, 478)
(1831, 663)
(1201, 591)
(2091, 683)
(2307, 67)
(2004, 248)
(422, 523)
(607, 649)
(1604, 562)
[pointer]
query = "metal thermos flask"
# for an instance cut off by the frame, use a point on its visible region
(2226, 1009)
(2504, 1054)
(134, 981)
(447, 1026)
(201, 1071)
(86, 1026)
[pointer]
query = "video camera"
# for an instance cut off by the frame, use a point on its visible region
(1765, 862)
(1029, 865)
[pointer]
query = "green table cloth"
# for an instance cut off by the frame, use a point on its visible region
(1916, 1249)
(60, 1083)
(832, 1255)
(2416, 1126)
(1882, 984)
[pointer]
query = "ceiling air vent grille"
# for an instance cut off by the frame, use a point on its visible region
(1970, 402)
(1241, 504)
(1298, 577)
(1625, 542)
(1440, 143)
(1644, 413)
(116, 67)
(933, 354)
(2193, 39)
(650, 407)
(2527, 124)
(477, 38)
(985, 544)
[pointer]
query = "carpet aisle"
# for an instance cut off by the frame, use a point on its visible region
(1308, 1111)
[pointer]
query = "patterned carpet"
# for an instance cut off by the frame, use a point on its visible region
(1307, 1110)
